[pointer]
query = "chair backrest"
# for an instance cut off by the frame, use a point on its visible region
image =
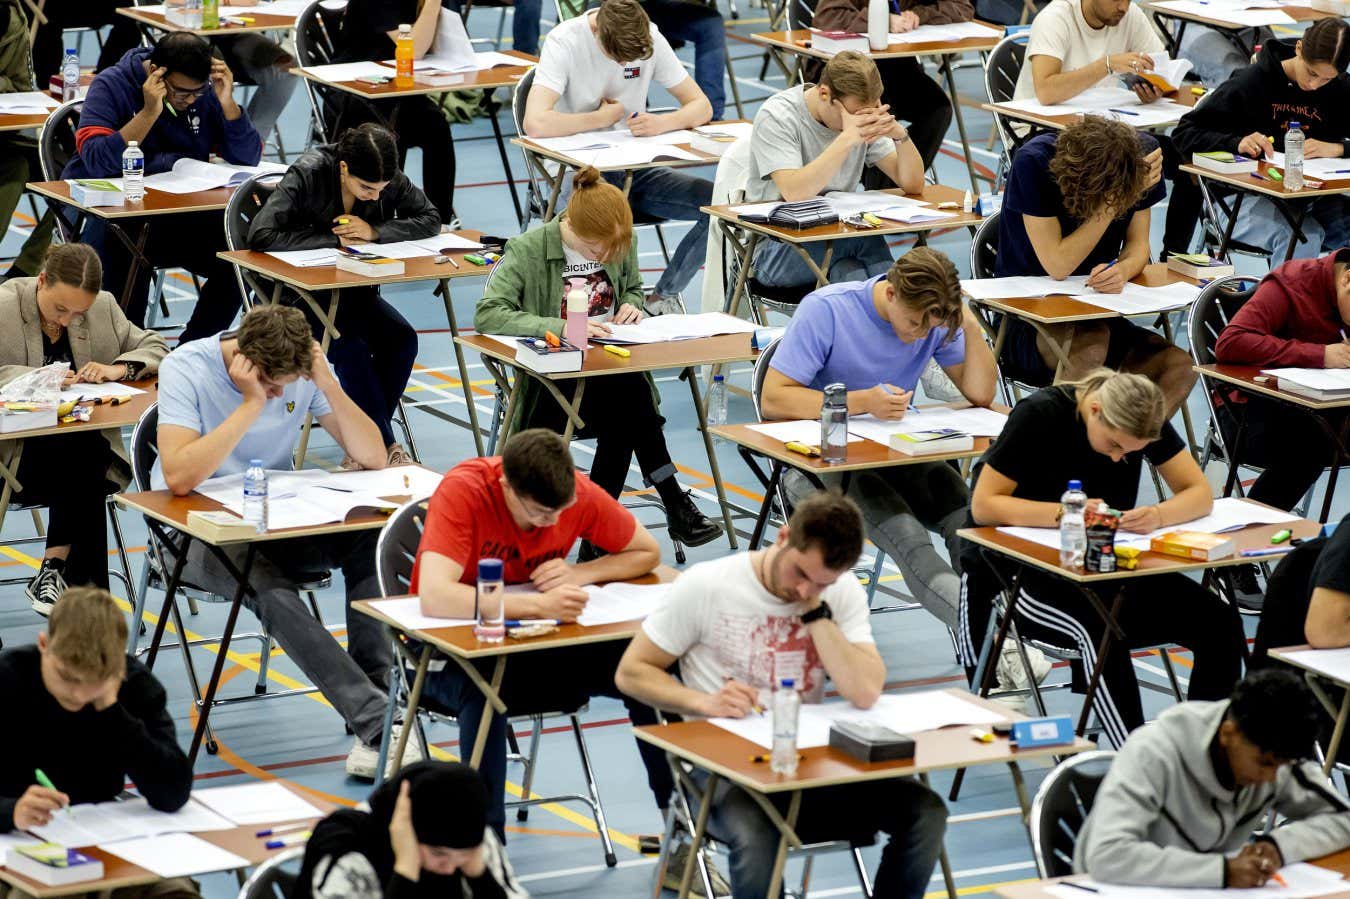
(1060, 807)
(316, 34)
(1001, 71)
(984, 247)
(536, 198)
(397, 547)
(244, 204)
(1213, 310)
(145, 446)
(762, 372)
(271, 879)
(56, 144)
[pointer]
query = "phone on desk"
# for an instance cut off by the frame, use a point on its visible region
(857, 221)
(373, 79)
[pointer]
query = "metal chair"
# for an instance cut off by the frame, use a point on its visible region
(394, 556)
(1060, 808)
(316, 31)
(1001, 71)
(1218, 210)
(983, 254)
(272, 879)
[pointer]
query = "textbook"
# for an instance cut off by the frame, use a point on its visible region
(1166, 76)
(1194, 545)
(369, 264)
(53, 865)
(838, 41)
(16, 417)
(1314, 383)
(1199, 266)
(937, 440)
(538, 355)
(97, 192)
(219, 525)
(1224, 163)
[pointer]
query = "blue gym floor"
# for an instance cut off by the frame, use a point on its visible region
(556, 851)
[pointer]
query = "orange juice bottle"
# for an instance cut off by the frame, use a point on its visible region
(403, 58)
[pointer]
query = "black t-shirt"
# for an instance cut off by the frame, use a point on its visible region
(1317, 563)
(56, 350)
(366, 26)
(1044, 445)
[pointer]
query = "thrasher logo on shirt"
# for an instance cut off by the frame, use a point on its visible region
(630, 72)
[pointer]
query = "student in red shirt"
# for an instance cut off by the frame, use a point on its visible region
(528, 508)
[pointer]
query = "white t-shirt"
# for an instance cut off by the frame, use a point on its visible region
(573, 65)
(591, 277)
(1059, 30)
(722, 623)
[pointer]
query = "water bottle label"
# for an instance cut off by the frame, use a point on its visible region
(789, 663)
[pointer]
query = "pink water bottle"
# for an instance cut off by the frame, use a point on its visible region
(577, 306)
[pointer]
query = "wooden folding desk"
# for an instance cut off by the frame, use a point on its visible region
(311, 281)
(727, 756)
(797, 44)
(118, 873)
(1226, 27)
(1333, 416)
(262, 21)
(687, 355)
(1339, 711)
(482, 79)
(23, 122)
(1288, 203)
(1028, 556)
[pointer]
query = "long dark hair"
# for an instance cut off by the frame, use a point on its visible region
(369, 151)
(1328, 40)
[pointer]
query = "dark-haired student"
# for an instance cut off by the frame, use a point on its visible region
(1308, 597)
(1077, 203)
(1293, 79)
(177, 101)
(64, 315)
(1184, 800)
(353, 192)
(369, 28)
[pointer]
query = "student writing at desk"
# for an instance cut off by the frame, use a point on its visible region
(352, 192)
(18, 150)
(1098, 431)
(62, 315)
(178, 102)
(1077, 203)
(1308, 598)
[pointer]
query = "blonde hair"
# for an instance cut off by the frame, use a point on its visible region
(74, 264)
(624, 31)
(598, 212)
(1131, 404)
(88, 634)
(851, 74)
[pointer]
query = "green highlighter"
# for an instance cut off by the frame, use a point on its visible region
(45, 781)
(1281, 536)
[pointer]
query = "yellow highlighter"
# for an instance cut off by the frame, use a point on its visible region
(621, 352)
(871, 219)
(797, 446)
(344, 221)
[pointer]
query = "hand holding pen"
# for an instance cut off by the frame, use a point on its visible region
(1107, 277)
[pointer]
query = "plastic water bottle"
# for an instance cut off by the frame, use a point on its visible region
(70, 76)
(878, 24)
(574, 326)
(717, 402)
(1293, 157)
(133, 172)
(192, 13)
(403, 58)
(255, 495)
(834, 424)
(787, 703)
(1072, 531)
(210, 14)
(491, 602)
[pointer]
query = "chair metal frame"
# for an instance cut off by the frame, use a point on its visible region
(1042, 854)
(1001, 71)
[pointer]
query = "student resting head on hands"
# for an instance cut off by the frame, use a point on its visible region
(1099, 431)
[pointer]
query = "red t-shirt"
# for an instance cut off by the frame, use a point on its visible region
(467, 520)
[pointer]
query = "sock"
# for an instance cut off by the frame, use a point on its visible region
(669, 489)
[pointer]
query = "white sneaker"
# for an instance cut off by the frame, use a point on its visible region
(1011, 674)
(938, 385)
(363, 759)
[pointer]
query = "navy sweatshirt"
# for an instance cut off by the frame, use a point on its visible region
(115, 98)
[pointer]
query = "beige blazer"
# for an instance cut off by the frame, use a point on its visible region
(103, 334)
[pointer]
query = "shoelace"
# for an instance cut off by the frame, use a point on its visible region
(49, 587)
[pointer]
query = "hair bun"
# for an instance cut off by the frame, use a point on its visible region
(587, 176)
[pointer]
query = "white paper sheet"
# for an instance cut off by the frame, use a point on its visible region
(1229, 514)
(176, 855)
(407, 611)
(976, 421)
(256, 803)
(192, 175)
(617, 148)
(956, 31)
(755, 208)
(805, 431)
(96, 391)
(297, 498)
(1333, 663)
(1327, 169)
(1138, 300)
(1315, 378)
(848, 202)
(389, 481)
(305, 258)
(1227, 13)
(347, 71)
(612, 603)
(92, 823)
(913, 215)
(1303, 881)
(663, 328)
(27, 102)
(1116, 102)
(1022, 286)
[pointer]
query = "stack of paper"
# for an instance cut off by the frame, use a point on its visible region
(1300, 881)
(975, 421)
(856, 202)
(1112, 102)
(1327, 380)
(956, 31)
(27, 103)
(313, 496)
(663, 328)
(453, 52)
(97, 391)
(347, 71)
(1228, 514)
(189, 176)
(1327, 169)
(615, 149)
(1135, 299)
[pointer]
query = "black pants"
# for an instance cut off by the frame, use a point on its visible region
(416, 122)
(1305, 448)
(621, 415)
(66, 473)
(49, 45)
(918, 100)
(188, 241)
(1183, 209)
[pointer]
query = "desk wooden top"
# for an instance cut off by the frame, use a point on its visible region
(1297, 13)
(118, 873)
(460, 640)
(799, 42)
(1060, 122)
(1244, 376)
(1283, 655)
(481, 79)
(1058, 309)
(19, 122)
(645, 357)
(1266, 187)
(1255, 536)
(671, 162)
(262, 21)
(932, 193)
(103, 418)
(714, 749)
(330, 277)
(156, 202)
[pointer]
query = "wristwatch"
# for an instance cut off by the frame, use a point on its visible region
(821, 611)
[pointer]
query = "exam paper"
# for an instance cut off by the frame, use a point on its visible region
(297, 498)
(1327, 169)
(618, 147)
(407, 611)
(1022, 286)
(1229, 514)
(1333, 663)
(850, 202)
(663, 328)
(956, 31)
(1114, 102)
(89, 824)
(1301, 881)
(1229, 13)
(347, 71)
(1136, 299)
(975, 421)
(913, 216)
(612, 603)
(175, 855)
(305, 258)
(805, 431)
(256, 803)
(1316, 378)
(96, 391)
(27, 102)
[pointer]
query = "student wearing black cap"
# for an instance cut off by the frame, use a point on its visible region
(424, 833)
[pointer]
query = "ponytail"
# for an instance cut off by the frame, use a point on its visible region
(598, 212)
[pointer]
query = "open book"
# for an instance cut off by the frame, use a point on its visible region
(188, 176)
(661, 328)
(1166, 76)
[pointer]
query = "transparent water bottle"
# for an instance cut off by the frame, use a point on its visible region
(70, 76)
(255, 495)
(787, 703)
(1072, 531)
(834, 424)
(403, 58)
(1293, 157)
(192, 13)
(133, 172)
(717, 403)
(491, 602)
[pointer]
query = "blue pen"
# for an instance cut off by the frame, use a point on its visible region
(1124, 112)
(886, 388)
(530, 622)
(276, 831)
(1272, 551)
(895, 7)
(1111, 263)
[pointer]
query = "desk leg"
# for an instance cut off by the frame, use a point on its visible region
(204, 714)
(511, 399)
(471, 409)
(699, 836)
(762, 519)
(701, 410)
(1185, 409)
(324, 341)
(946, 67)
(572, 409)
(554, 190)
(480, 741)
(943, 861)
(1227, 238)
(506, 165)
(733, 306)
(787, 833)
(391, 704)
(1111, 619)
(1337, 733)
(8, 475)
(160, 534)
(409, 716)
(821, 271)
(137, 249)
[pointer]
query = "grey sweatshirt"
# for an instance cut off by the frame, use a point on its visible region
(1161, 817)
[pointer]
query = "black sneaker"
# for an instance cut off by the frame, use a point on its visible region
(688, 525)
(1250, 597)
(45, 589)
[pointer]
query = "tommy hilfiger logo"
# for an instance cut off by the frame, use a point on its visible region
(290, 406)
(632, 72)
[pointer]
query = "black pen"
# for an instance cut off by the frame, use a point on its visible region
(1080, 886)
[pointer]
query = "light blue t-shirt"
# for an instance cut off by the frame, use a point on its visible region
(837, 335)
(195, 392)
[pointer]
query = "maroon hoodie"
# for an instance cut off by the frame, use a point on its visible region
(1290, 319)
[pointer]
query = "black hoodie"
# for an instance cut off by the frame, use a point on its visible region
(1261, 98)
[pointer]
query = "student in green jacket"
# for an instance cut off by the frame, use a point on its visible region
(18, 150)
(591, 247)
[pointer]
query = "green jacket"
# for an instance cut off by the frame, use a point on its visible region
(16, 73)
(523, 297)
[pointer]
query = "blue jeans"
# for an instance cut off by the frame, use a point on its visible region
(702, 26)
(778, 264)
(671, 195)
(912, 815)
(1326, 227)
(524, 24)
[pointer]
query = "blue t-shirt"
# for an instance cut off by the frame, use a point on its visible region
(1032, 191)
(837, 335)
(195, 392)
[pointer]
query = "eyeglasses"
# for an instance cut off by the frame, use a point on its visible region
(180, 94)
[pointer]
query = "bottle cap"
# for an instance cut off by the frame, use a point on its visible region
(1075, 485)
(788, 683)
(1293, 124)
(576, 300)
(133, 143)
(717, 378)
(836, 394)
(405, 28)
(255, 463)
(71, 51)
(489, 569)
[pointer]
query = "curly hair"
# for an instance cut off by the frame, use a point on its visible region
(1098, 164)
